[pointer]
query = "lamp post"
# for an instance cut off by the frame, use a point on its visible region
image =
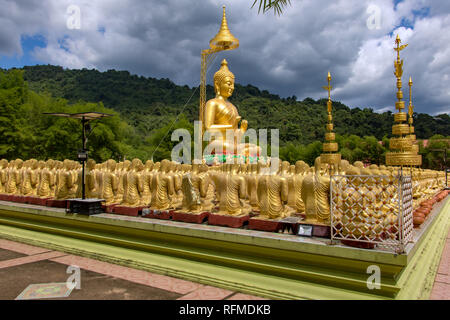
(85, 118)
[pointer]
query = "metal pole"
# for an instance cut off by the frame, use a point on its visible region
(83, 188)
(445, 168)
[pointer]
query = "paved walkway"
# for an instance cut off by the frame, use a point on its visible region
(441, 287)
(29, 272)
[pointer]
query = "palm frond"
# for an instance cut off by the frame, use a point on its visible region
(276, 5)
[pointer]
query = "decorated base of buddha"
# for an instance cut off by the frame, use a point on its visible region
(321, 230)
(56, 203)
(157, 214)
(227, 220)
(220, 158)
(264, 224)
(357, 244)
(127, 211)
(109, 208)
(38, 201)
(190, 217)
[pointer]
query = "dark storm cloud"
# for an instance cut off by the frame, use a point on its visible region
(287, 55)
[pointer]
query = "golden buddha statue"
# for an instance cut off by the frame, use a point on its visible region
(221, 115)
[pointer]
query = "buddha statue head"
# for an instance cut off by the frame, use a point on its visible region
(40, 166)
(224, 81)
(3, 163)
(195, 168)
(137, 165)
(91, 164)
(126, 165)
(284, 167)
(111, 165)
(165, 166)
(292, 169)
(149, 165)
(203, 168)
(300, 167)
(18, 163)
(358, 164)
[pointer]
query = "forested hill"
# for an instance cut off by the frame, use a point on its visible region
(149, 104)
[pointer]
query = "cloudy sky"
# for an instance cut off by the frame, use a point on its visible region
(287, 55)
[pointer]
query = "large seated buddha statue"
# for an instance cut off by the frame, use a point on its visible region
(221, 115)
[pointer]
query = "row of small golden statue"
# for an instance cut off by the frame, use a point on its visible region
(231, 189)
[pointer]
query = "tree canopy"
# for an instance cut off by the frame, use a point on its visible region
(147, 110)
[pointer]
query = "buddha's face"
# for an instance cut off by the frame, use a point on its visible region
(226, 87)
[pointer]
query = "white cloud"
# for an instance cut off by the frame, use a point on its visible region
(287, 55)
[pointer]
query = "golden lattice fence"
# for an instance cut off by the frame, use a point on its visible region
(374, 209)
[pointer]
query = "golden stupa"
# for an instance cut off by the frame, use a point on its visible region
(401, 146)
(330, 147)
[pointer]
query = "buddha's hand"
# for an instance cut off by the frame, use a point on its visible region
(244, 125)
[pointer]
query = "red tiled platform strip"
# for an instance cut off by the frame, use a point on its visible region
(129, 274)
(30, 259)
(21, 248)
(441, 287)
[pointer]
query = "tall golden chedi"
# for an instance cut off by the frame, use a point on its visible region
(412, 136)
(330, 147)
(401, 146)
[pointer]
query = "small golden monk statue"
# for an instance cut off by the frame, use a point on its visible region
(194, 186)
(147, 175)
(90, 181)
(221, 115)
(64, 181)
(30, 178)
(133, 184)
(3, 175)
(230, 189)
(14, 178)
(110, 183)
(163, 187)
(252, 184)
(124, 167)
(273, 194)
(47, 180)
(295, 186)
(316, 194)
